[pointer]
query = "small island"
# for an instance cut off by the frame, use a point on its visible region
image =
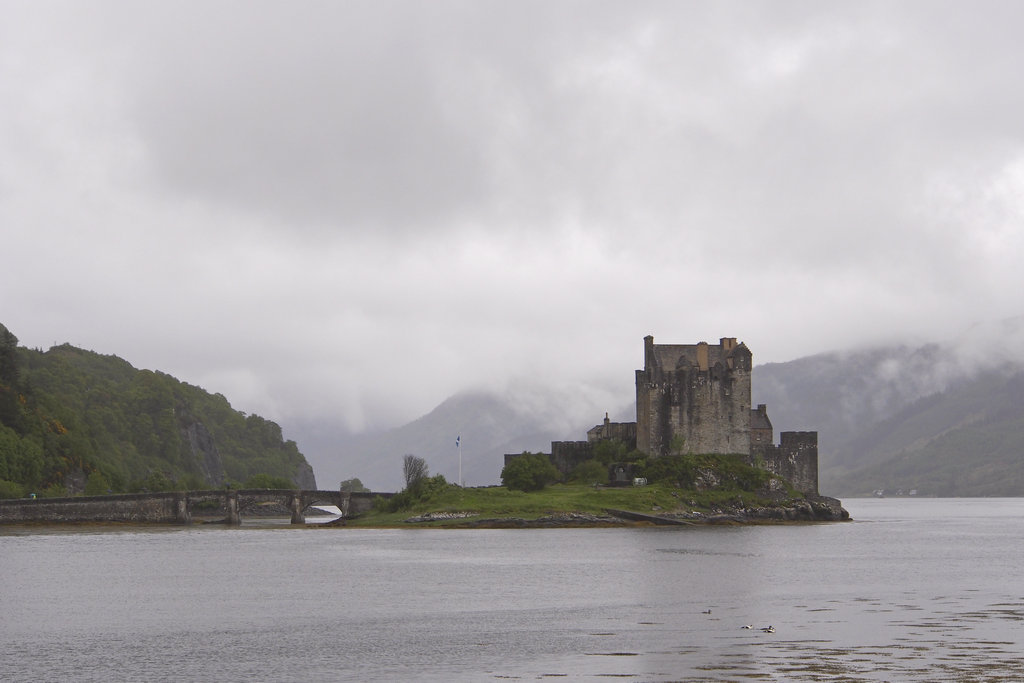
(433, 502)
(698, 453)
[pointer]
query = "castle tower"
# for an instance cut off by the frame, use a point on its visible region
(695, 397)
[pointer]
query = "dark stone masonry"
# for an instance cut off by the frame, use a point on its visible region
(695, 398)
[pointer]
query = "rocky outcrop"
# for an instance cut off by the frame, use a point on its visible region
(304, 477)
(812, 509)
(204, 452)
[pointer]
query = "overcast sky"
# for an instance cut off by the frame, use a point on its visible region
(352, 210)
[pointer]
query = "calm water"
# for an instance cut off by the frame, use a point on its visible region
(914, 590)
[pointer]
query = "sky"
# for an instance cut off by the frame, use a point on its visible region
(349, 211)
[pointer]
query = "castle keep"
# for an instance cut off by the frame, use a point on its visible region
(695, 398)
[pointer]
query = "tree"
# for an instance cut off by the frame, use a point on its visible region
(97, 485)
(10, 489)
(8, 357)
(608, 451)
(9, 409)
(528, 472)
(590, 472)
(266, 481)
(414, 468)
(353, 485)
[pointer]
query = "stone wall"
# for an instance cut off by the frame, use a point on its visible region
(177, 507)
(698, 392)
(621, 431)
(566, 455)
(795, 459)
(168, 508)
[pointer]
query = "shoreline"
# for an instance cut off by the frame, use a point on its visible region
(820, 509)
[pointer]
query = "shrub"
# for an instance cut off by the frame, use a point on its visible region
(10, 489)
(420, 491)
(610, 450)
(684, 471)
(590, 472)
(528, 472)
(352, 485)
(97, 485)
(265, 481)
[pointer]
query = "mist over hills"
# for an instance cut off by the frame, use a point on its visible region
(942, 418)
(487, 424)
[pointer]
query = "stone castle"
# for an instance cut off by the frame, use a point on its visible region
(695, 398)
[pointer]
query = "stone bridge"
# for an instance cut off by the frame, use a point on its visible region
(178, 507)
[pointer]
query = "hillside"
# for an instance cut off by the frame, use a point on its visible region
(72, 419)
(964, 441)
(944, 419)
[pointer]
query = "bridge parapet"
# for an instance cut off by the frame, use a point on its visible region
(178, 507)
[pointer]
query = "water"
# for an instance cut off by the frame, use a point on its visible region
(913, 590)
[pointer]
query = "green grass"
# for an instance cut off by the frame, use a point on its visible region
(499, 502)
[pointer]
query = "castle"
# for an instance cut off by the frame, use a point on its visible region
(695, 398)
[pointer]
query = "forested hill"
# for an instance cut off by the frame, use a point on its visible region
(76, 421)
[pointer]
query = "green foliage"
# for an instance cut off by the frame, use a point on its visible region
(68, 410)
(265, 481)
(500, 502)
(53, 491)
(353, 485)
(10, 489)
(590, 472)
(420, 491)
(97, 485)
(157, 481)
(10, 411)
(608, 451)
(690, 471)
(528, 472)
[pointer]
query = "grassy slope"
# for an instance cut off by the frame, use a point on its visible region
(499, 502)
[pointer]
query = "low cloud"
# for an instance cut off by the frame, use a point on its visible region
(351, 211)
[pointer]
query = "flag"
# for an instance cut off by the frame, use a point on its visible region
(457, 440)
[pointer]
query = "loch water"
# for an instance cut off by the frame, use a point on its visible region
(911, 590)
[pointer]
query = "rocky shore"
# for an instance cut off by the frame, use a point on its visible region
(817, 509)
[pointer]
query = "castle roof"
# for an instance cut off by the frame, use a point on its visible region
(759, 418)
(672, 356)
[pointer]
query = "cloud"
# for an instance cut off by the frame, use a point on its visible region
(350, 211)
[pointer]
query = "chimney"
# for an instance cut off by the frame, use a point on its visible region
(702, 356)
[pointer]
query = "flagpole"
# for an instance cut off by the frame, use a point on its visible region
(458, 442)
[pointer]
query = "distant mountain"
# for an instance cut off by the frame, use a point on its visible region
(964, 441)
(73, 420)
(944, 419)
(488, 426)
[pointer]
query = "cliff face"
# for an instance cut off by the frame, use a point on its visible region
(204, 452)
(304, 477)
